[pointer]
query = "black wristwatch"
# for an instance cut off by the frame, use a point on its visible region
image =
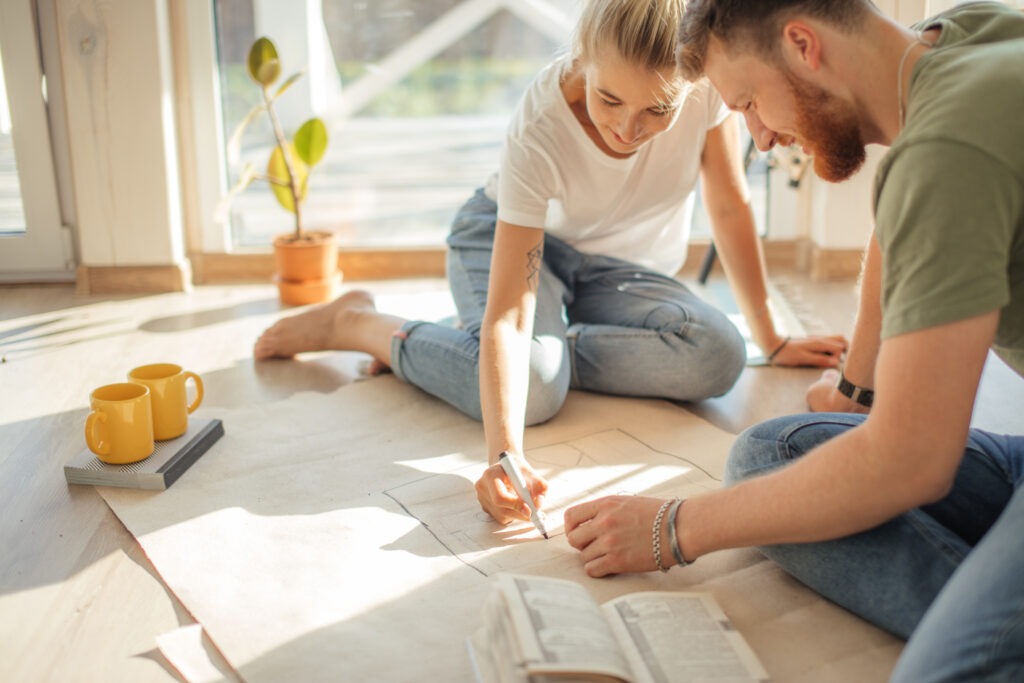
(864, 397)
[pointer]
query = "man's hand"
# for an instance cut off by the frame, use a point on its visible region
(823, 397)
(613, 534)
(499, 499)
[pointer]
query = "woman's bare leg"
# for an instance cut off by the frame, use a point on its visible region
(349, 323)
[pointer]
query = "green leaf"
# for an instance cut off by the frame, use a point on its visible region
(287, 84)
(264, 65)
(277, 174)
(311, 141)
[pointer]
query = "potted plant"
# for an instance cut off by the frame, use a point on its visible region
(306, 261)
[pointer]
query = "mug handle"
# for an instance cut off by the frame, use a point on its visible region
(92, 438)
(199, 391)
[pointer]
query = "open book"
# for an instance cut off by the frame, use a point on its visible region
(542, 630)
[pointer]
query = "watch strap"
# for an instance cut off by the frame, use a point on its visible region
(860, 395)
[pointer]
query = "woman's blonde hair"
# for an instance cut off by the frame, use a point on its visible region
(643, 32)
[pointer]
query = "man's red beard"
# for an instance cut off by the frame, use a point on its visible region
(828, 127)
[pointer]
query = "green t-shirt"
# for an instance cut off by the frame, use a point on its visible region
(949, 195)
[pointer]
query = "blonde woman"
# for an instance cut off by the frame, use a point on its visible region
(562, 267)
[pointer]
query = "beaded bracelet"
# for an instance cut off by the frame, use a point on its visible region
(677, 551)
(656, 535)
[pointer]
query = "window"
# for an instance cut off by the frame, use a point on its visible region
(12, 211)
(416, 94)
(34, 246)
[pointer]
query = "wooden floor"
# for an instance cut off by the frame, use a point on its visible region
(79, 601)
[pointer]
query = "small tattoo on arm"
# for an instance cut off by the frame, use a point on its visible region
(534, 258)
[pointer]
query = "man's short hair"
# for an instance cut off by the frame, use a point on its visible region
(752, 25)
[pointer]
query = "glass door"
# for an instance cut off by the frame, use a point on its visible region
(34, 246)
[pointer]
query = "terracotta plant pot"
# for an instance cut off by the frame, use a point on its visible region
(303, 292)
(307, 268)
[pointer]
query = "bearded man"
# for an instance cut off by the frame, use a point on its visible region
(903, 514)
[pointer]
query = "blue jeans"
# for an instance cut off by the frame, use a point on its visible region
(602, 324)
(949, 576)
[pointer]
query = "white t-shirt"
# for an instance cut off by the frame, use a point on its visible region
(553, 176)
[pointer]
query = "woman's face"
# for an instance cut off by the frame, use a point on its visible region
(630, 104)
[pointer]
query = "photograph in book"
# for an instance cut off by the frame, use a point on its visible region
(538, 629)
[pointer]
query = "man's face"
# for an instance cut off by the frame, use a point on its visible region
(829, 130)
(781, 109)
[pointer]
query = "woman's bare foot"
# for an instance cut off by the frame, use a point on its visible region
(349, 323)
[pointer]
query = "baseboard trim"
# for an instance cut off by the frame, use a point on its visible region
(386, 264)
(401, 263)
(216, 269)
(133, 279)
(361, 264)
(777, 254)
(835, 264)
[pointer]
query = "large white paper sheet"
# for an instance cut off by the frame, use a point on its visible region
(337, 537)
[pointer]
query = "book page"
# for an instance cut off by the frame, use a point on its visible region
(681, 638)
(493, 649)
(560, 629)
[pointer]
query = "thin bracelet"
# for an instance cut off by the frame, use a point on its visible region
(656, 535)
(771, 356)
(677, 551)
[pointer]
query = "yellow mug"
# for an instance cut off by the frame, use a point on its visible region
(119, 430)
(169, 396)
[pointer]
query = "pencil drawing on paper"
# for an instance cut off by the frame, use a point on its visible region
(607, 462)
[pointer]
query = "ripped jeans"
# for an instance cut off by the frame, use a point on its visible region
(602, 324)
